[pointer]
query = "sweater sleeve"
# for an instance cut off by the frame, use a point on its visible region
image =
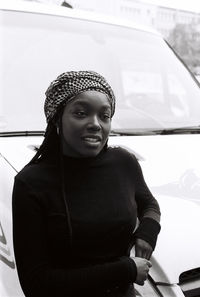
(148, 210)
(36, 276)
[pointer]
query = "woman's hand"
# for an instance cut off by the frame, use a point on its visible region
(143, 249)
(143, 266)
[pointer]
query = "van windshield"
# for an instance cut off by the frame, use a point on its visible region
(153, 89)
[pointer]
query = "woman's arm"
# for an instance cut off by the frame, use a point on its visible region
(147, 205)
(148, 214)
(36, 276)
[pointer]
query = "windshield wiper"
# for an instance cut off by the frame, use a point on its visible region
(21, 133)
(179, 130)
(131, 132)
(164, 131)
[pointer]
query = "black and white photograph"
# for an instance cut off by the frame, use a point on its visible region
(99, 148)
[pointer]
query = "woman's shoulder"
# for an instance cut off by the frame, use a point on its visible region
(32, 173)
(122, 151)
(126, 160)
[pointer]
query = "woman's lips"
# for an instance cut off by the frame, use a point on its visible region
(93, 139)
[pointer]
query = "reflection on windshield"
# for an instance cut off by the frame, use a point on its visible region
(153, 89)
(158, 91)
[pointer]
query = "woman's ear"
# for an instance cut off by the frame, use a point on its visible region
(57, 121)
(57, 129)
(59, 124)
(56, 124)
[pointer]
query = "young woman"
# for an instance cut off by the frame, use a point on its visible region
(76, 204)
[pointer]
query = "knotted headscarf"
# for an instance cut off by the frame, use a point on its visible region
(69, 84)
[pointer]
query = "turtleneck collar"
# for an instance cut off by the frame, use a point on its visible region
(82, 161)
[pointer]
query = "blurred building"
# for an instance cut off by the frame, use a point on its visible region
(161, 18)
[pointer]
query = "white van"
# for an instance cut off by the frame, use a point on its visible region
(157, 117)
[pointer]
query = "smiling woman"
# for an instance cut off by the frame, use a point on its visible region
(86, 123)
(80, 200)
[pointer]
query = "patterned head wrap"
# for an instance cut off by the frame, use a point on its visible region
(70, 84)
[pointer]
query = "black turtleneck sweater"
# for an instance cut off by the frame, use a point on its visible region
(105, 196)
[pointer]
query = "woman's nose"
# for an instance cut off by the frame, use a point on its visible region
(94, 123)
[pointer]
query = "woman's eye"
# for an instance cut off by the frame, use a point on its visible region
(80, 113)
(106, 116)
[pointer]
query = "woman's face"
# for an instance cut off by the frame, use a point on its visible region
(86, 123)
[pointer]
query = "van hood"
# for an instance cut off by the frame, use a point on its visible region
(170, 163)
(178, 244)
(171, 168)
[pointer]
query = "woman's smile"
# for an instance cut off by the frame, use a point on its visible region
(94, 139)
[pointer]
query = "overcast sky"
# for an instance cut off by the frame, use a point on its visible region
(191, 5)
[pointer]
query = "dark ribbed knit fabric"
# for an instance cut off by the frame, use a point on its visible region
(105, 196)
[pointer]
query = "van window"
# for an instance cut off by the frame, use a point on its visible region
(153, 89)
